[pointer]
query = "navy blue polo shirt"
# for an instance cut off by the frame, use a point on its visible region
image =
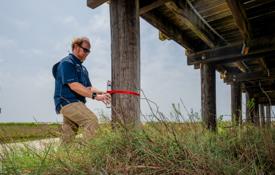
(69, 70)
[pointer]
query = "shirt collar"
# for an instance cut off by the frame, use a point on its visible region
(75, 58)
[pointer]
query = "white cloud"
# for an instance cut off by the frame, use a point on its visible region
(7, 43)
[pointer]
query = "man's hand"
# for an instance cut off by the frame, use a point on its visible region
(104, 97)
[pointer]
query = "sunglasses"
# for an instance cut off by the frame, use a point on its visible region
(85, 49)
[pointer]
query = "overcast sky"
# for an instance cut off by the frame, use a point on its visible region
(35, 34)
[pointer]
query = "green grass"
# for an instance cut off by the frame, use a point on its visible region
(158, 148)
(14, 132)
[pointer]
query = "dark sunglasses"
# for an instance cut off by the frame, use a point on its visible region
(85, 49)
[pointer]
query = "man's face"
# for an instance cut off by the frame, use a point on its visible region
(83, 50)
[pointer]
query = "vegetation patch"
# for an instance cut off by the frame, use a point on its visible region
(157, 148)
(14, 132)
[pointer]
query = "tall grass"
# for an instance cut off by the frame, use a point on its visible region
(158, 148)
(173, 145)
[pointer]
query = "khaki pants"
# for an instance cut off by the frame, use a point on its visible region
(77, 115)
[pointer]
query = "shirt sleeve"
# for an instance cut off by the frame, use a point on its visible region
(68, 73)
(89, 82)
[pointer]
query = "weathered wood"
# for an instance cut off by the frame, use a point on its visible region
(236, 103)
(185, 16)
(263, 64)
(151, 6)
(253, 76)
(270, 100)
(264, 101)
(208, 96)
(259, 47)
(240, 18)
(95, 3)
(268, 115)
(241, 66)
(169, 29)
(262, 115)
(125, 53)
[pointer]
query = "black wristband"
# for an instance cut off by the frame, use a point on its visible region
(94, 95)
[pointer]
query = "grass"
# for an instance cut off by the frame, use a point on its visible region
(14, 132)
(158, 148)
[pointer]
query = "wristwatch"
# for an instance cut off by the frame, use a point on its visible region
(93, 95)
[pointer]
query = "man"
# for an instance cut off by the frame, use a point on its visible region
(72, 86)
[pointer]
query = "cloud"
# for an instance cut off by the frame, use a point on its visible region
(7, 43)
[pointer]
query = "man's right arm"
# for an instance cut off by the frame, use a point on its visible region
(87, 92)
(81, 90)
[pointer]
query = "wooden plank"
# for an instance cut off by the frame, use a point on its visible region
(170, 30)
(240, 18)
(208, 96)
(95, 3)
(259, 47)
(267, 101)
(251, 76)
(125, 54)
(151, 6)
(263, 90)
(187, 16)
(241, 66)
(236, 102)
(264, 66)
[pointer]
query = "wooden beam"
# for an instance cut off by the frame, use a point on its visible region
(125, 54)
(95, 3)
(241, 66)
(151, 6)
(264, 90)
(236, 104)
(165, 26)
(240, 18)
(264, 66)
(263, 87)
(251, 76)
(208, 96)
(266, 101)
(258, 48)
(188, 17)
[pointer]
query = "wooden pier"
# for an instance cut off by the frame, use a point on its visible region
(234, 37)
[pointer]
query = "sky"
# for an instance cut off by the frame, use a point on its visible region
(35, 34)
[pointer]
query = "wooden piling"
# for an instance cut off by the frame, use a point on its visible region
(125, 53)
(236, 103)
(208, 95)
